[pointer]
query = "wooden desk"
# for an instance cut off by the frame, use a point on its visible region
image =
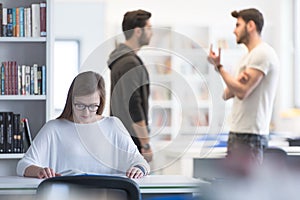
(152, 185)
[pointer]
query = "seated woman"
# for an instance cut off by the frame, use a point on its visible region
(82, 140)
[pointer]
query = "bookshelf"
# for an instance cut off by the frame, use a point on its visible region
(22, 39)
(11, 156)
(181, 79)
(28, 50)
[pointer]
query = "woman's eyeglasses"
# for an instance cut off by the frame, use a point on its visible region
(81, 107)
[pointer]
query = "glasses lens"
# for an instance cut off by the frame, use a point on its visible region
(93, 108)
(80, 106)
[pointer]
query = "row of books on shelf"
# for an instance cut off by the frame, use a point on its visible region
(15, 136)
(22, 79)
(23, 22)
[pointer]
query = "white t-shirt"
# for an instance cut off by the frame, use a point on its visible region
(253, 114)
(102, 147)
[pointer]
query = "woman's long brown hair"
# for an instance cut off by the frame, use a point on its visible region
(83, 84)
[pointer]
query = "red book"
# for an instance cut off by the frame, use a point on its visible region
(10, 77)
(43, 19)
(15, 78)
(5, 78)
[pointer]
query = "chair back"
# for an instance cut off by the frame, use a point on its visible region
(88, 187)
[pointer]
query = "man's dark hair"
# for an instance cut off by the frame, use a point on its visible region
(251, 14)
(133, 19)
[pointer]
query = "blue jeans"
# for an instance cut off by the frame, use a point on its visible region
(247, 142)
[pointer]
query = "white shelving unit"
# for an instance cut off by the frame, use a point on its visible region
(11, 156)
(23, 39)
(23, 97)
(29, 51)
(182, 79)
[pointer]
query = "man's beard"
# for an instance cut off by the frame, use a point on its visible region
(244, 37)
(143, 40)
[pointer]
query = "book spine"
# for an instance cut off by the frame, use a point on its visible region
(21, 17)
(43, 80)
(2, 132)
(2, 78)
(9, 22)
(6, 78)
(12, 78)
(1, 20)
(15, 83)
(43, 20)
(22, 136)
(27, 139)
(10, 73)
(17, 22)
(4, 22)
(14, 22)
(9, 79)
(16, 133)
(19, 80)
(9, 135)
(27, 80)
(35, 79)
(23, 71)
(28, 130)
(25, 23)
(35, 16)
(39, 79)
(31, 80)
(29, 23)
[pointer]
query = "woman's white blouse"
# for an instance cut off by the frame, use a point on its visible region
(102, 147)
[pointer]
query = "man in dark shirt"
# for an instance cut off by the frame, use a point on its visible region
(130, 80)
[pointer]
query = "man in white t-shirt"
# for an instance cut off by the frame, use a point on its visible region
(252, 89)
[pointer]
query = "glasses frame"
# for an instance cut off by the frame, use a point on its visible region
(83, 107)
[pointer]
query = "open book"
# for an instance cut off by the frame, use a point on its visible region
(27, 134)
(75, 172)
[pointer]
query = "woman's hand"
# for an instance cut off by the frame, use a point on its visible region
(134, 172)
(46, 173)
(40, 172)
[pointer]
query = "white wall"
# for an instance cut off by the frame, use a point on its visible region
(191, 12)
(81, 21)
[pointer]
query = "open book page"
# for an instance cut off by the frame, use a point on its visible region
(76, 172)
